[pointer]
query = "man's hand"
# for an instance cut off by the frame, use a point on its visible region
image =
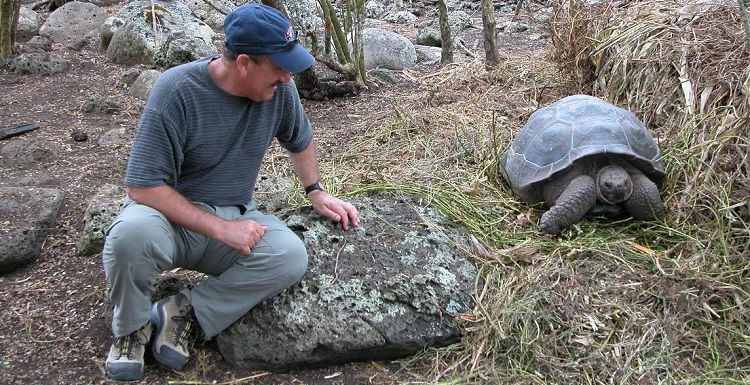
(334, 208)
(242, 235)
(305, 165)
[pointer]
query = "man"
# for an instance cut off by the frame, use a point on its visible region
(195, 159)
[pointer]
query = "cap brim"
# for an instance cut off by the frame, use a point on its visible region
(293, 61)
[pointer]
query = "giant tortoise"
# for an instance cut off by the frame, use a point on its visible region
(584, 155)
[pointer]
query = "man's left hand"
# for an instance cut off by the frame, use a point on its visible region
(334, 208)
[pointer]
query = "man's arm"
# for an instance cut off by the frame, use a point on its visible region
(305, 164)
(240, 235)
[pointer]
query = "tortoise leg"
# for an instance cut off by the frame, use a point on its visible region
(570, 207)
(645, 203)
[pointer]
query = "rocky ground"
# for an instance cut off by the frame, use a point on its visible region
(55, 324)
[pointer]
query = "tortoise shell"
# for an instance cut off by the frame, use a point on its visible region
(569, 130)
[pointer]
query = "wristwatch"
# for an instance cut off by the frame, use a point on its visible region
(313, 187)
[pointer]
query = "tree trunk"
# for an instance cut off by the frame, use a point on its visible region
(358, 54)
(9, 11)
(490, 38)
(446, 54)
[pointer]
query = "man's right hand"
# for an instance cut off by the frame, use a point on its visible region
(242, 235)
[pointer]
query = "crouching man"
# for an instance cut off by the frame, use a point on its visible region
(194, 162)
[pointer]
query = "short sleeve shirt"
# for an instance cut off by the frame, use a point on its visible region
(206, 143)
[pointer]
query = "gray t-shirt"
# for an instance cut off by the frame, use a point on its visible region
(207, 144)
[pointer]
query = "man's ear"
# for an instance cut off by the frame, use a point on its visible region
(243, 63)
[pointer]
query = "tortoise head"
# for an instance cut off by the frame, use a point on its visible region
(613, 184)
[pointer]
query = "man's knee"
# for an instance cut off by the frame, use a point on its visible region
(132, 231)
(296, 262)
(133, 238)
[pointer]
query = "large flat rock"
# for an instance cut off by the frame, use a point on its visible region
(386, 289)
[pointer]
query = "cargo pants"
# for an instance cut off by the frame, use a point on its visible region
(141, 243)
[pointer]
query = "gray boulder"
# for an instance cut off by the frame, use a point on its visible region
(429, 36)
(307, 12)
(28, 215)
(206, 12)
(23, 152)
(143, 84)
(108, 29)
(38, 63)
(28, 24)
(129, 76)
(36, 58)
(37, 44)
(512, 27)
(180, 48)
(166, 34)
(459, 20)
(103, 3)
(102, 210)
(273, 193)
(388, 288)
(73, 22)
(97, 104)
(375, 8)
(401, 17)
(429, 55)
(383, 76)
(116, 138)
(386, 49)
(130, 44)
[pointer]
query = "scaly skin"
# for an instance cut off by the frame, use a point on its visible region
(614, 184)
(645, 203)
(570, 207)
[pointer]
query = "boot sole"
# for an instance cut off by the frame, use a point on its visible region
(124, 375)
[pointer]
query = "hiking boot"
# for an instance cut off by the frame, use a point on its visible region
(125, 358)
(173, 319)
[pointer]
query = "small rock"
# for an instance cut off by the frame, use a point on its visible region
(79, 136)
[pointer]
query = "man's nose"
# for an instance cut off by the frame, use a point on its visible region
(284, 76)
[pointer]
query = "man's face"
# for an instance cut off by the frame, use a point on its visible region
(260, 80)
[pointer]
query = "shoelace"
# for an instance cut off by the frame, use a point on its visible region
(125, 345)
(182, 325)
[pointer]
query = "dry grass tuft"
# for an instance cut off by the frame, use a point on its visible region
(572, 28)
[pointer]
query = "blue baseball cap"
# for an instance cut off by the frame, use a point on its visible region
(258, 29)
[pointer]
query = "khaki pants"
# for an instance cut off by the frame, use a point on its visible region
(140, 243)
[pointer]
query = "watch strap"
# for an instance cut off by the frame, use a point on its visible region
(313, 187)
